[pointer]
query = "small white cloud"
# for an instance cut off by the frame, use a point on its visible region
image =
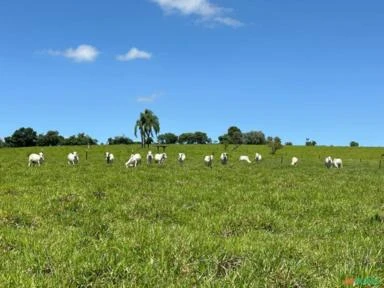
(83, 53)
(229, 21)
(204, 9)
(147, 99)
(199, 7)
(133, 54)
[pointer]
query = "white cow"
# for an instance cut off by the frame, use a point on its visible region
(338, 163)
(133, 161)
(244, 158)
(328, 162)
(73, 158)
(35, 159)
(258, 157)
(160, 157)
(181, 158)
(109, 157)
(149, 157)
(208, 160)
(294, 161)
(224, 158)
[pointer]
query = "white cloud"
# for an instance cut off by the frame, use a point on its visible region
(83, 53)
(229, 21)
(133, 54)
(201, 8)
(147, 99)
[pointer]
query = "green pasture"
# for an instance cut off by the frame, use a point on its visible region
(262, 224)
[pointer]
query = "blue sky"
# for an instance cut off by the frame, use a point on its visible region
(294, 69)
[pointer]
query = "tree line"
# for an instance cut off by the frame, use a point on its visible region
(147, 127)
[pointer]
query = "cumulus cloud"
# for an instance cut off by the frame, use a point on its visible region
(133, 54)
(204, 9)
(82, 53)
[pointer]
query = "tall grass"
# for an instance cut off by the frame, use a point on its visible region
(240, 225)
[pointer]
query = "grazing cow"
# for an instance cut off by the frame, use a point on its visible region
(160, 157)
(328, 162)
(258, 157)
(181, 158)
(338, 163)
(133, 161)
(244, 158)
(224, 158)
(109, 157)
(208, 160)
(73, 158)
(35, 159)
(294, 161)
(149, 157)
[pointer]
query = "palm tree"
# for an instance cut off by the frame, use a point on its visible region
(147, 123)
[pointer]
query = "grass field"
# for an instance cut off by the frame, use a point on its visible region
(240, 225)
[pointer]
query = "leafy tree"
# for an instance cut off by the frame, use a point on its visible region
(51, 138)
(354, 144)
(194, 138)
(235, 135)
(80, 139)
(201, 138)
(186, 138)
(254, 137)
(167, 138)
(288, 144)
(309, 142)
(147, 124)
(224, 139)
(23, 137)
(2, 143)
(119, 140)
(275, 144)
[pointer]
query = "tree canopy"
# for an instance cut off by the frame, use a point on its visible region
(148, 124)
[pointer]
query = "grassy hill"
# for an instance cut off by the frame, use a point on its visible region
(241, 225)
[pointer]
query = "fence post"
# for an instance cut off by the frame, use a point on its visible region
(380, 164)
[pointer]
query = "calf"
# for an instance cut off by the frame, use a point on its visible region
(109, 157)
(73, 158)
(224, 158)
(35, 159)
(244, 158)
(181, 158)
(208, 160)
(160, 157)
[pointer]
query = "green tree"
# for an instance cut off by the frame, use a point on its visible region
(186, 138)
(254, 137)
(201, 138)
(235, 135)
(119, 140)
(147, 124)
(22, 137)
(354, 144)
(309, 142)
(167, 138)
(51, 138)
(80, 139)
(274, 144)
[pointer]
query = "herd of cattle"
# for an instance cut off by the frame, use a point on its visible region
(135, 159)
